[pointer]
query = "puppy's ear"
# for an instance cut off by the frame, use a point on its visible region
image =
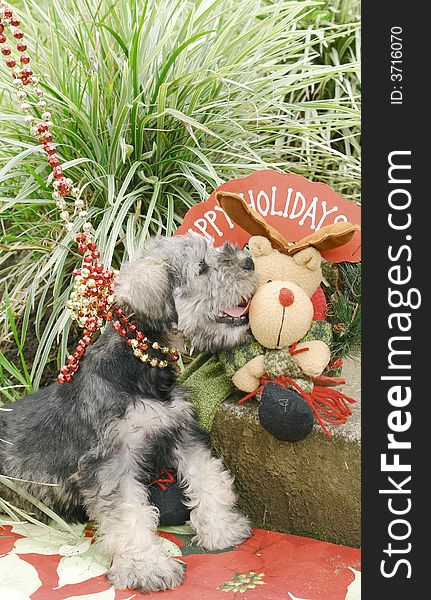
(144, 286)
(259, 246)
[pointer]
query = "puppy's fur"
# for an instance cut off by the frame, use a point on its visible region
(103, 437)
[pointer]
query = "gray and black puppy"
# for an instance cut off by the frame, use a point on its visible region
(103, 438)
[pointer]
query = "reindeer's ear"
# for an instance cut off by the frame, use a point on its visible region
(144, 285)
(309, 257)
(259, 246)
(327, 238)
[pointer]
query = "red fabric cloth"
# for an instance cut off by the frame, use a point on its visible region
(320, 305)
(268, 566)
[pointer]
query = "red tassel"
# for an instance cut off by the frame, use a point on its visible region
(293, 350)
(329, 406)
(169, 478)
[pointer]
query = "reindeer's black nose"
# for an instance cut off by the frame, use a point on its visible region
(248, 264)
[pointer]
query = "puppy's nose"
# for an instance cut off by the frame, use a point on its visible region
(248, 264)
(286, 297)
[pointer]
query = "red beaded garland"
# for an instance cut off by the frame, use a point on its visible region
(93, 283)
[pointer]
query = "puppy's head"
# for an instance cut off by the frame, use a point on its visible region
(183, 283)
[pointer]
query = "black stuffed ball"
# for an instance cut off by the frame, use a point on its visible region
(170, 502)
(284, 413)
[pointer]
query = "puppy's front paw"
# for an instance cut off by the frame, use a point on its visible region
(164, 573)
(223, 530)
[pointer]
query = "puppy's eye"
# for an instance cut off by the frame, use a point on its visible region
(203, 267)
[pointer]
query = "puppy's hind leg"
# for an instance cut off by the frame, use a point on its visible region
(208, 488)
(127, 524)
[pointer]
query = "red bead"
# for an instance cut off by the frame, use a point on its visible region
(109, 316)
(8, 13)
(92, 327)
(76, 272)
(17, 34)
(10, 62)
(6, 50)
(129, 342)
(96, 254)
(26, 80)
(143, 346)
(132, 327)
(49, 148)
(81, 343)
(87, 258)
(116, 325)
(2, 36)
(68, 378)
(42, 127)
(82, 248)
(62, 187)
(26, 72)
(53, 161)
(98, 266)
(57, 171)
(1, 28)
(174, 357)
(124, 320)
(74, 368)
(119, 311)
(25, 59)
(61, 379)
(87, 340)
(64, 370)
(79, 352)
(47, 137)
(21, 46)
(71, 359)
(123, 332)
(15, 21)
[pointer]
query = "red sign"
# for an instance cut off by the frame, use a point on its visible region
(293, 205)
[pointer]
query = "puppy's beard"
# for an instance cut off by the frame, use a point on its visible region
(214, 337)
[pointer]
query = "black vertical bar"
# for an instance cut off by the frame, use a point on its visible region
(396, 118)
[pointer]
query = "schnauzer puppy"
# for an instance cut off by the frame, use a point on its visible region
(103, 437)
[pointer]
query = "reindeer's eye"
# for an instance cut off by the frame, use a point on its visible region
(203, 267)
